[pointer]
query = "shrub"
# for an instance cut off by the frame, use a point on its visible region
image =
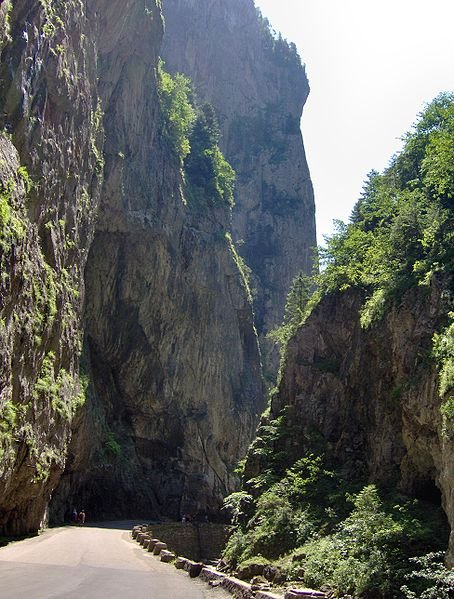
(179, 114)
(443, 352)
(209, 176)
(431, 579)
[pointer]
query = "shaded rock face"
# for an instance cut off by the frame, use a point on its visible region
(175, 366)
(258, 88)
(50, 137)
(170, 349)
(371, 396)
(176, 381)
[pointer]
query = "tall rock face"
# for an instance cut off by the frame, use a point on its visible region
(50, 175)
(98, 243)
(258, 88)
(370, 397)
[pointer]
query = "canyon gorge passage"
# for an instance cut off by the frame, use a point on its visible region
(157, 235)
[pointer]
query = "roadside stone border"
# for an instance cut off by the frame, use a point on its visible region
(236, 587)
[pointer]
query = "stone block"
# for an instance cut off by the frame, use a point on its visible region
(238, 588)
(151, 544)
(209, 574)
(166, 556)
(267, 595)
(195, 570)
(179, 563)
(188, 563)
(159, 546)
(304, 594)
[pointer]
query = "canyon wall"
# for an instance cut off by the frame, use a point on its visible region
(100, 249)
(368, 398)
(51, 170)
(258, 87)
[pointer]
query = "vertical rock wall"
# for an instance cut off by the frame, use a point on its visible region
(93, 222)
(176, 381)
(370, 397)
(258, 88)
(50, 172)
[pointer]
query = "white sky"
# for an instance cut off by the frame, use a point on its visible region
(372, 67)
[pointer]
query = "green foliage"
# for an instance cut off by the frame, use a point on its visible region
(193, 135)
(297, 308)
(179, 114)
(59, 389)
(12, 227)
(237, 505)
(282, 52)
(111, 445)
(49, 387)
(401, 230)
(52, 17)
(310, 523)
(431, 579)
(8, 417)
(209, 176)
(5, 15)
(443, 351)
(304, 524)
(287, 509)
(96, 131)
(243, 268)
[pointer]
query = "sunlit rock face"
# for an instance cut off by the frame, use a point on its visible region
(103, 251)
(370, 397)
(258, 87)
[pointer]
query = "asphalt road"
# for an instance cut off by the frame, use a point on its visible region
(92, 562)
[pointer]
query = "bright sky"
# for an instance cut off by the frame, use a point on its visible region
(372, 67)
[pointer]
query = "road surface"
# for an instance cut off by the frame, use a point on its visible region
(92, 562)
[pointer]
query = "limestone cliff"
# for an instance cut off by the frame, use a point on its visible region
(50, 177)
(97, 242)
(258, 87)
(368, 399)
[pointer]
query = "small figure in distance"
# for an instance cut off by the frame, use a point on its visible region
(74, 516)
(81, 518)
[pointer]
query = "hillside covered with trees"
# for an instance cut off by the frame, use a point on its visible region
(359, 516)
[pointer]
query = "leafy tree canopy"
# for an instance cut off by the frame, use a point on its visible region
(192, 133)
(179, 113)
(401, 230)
(207, 172)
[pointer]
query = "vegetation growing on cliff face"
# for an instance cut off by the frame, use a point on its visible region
(281, 51)
(300, 513)
(207, 172)
(303, 518)
(192, 133)
(401, 230)
(444, 355)
(179, 113)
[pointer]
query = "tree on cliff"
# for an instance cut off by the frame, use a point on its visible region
(302, 513)
(206, 169)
